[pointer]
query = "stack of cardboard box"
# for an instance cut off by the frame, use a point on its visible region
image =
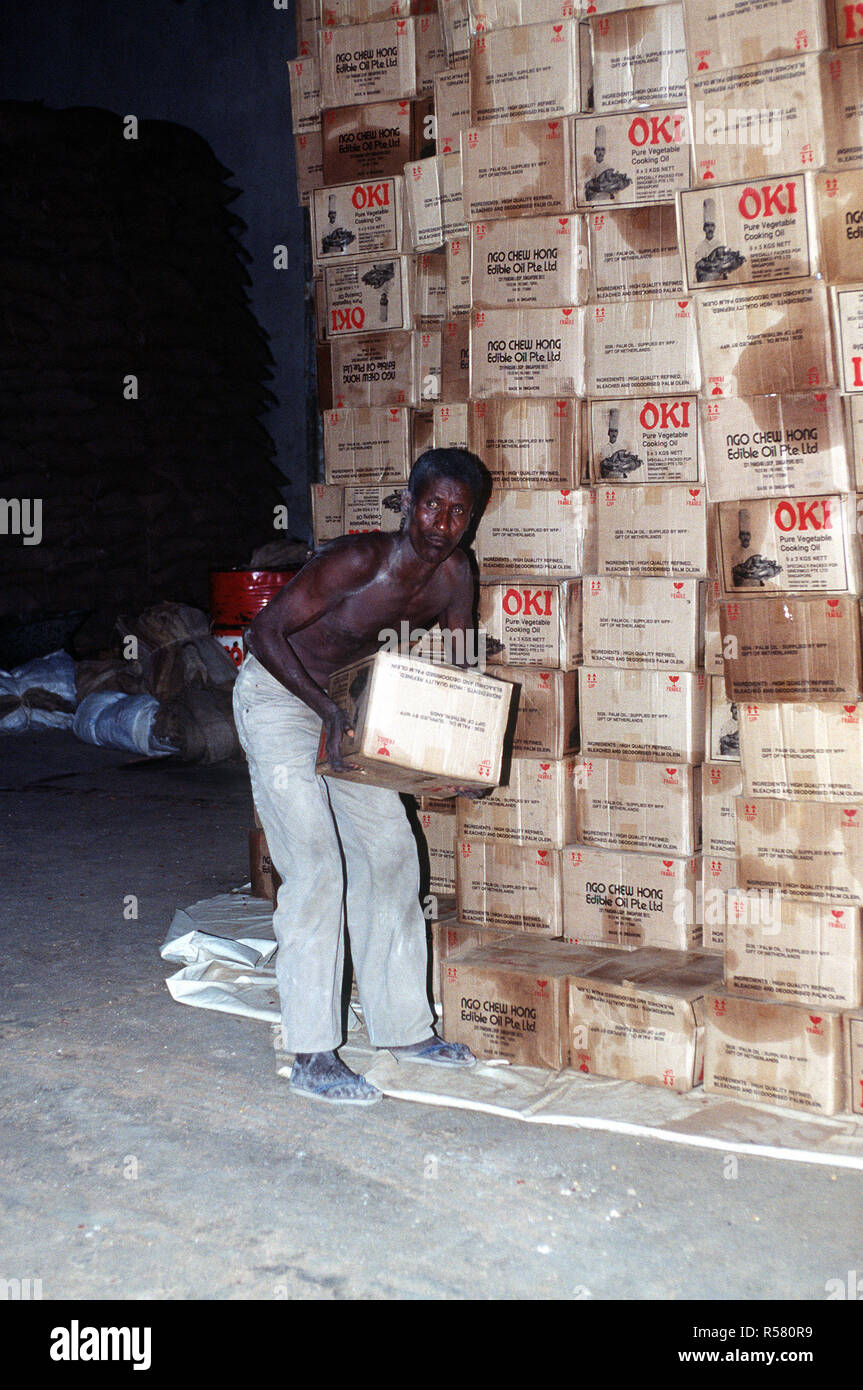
(775, 117)
(629, 276)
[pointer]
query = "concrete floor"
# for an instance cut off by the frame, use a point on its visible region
(149, 1151)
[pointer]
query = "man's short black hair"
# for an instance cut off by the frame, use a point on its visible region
(459, 464)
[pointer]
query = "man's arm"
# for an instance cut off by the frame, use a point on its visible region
(316, 590)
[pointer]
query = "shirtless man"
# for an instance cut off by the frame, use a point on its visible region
(339, 845)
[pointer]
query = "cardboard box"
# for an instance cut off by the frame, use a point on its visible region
(722, 899)
(534, 352)
(839, 201)
(640, 1018)
(428, 366)
(309, 158)
(376, 369)
(774, 446)
(372, 141)
(458, 275)
(853, 1023)
(429, 288)
(366, 444)
(714, 664)
(762, 339)
(803, 953)
(848, 318)
(644, 807)
(367, 296)
(757, 120)
(529, 72)
(305, 87)
(546, 725)
(333, 12)
(328, 511)
(456, 29)
(653, 716)
(452, 106)
(419, 726)
(531, 261)
(451, 939)
(435, 202)
(455, 360)
(751, 31)
(798, 649)
(501, 1002)
(854, 423)
(755, 232)
(639, 58)
(651, 439)
(536, 806)
(721, 785)
(641, 347)
(319, 308)
(631, 158)
(307, 16)
(449, 425)
(802, 752)
(842, 96)
(807, 851)
(431, 50)
(722, 736)
(358, 219)
(513, 886)
(433, 644)
(614, 898)
(320, 305)
(791, 544)
(773, 1054)
(372, 508)
(640, 623)
(634, 252)
(531, 622)
(486, 15)
(652, 531)
(517, 169)
(264, 876)
(527, 443)
(363, 63)
(846, 22)
(538, 533)
(439, 831)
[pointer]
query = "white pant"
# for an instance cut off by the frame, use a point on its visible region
(342, 849)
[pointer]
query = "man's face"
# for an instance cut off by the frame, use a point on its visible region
(710, 230)
(599, 153)
(438, 517)
(745, 538)
(612, 433)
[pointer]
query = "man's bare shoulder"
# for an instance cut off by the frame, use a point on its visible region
(354, 558)
(459, 561)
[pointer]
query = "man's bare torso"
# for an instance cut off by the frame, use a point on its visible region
(372, 602)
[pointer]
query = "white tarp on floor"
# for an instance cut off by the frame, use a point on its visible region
(225, 947)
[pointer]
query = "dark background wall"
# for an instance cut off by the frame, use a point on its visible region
(218, 67)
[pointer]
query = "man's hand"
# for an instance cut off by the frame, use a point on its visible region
(337, 726)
